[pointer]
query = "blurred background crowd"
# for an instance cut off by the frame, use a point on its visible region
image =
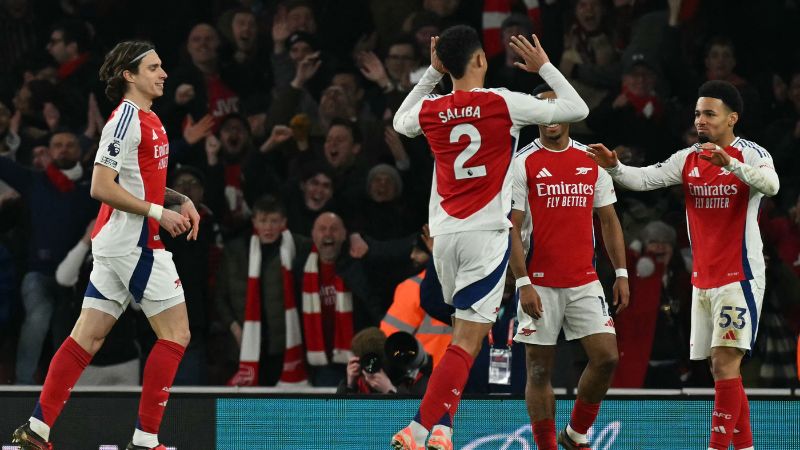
(279, 117)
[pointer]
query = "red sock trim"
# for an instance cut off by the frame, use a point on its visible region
(159, 372)
(583, 415)
(544, 434)
(66, 367)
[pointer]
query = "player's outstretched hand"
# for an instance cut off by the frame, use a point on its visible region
(530, 301)
(533, 55)
(715, 154)
(622, 294)
(604, 157)
(174, 223)
(435, 61)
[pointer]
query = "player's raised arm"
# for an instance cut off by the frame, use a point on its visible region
(406, 119)
(663, 174)
(567, 107)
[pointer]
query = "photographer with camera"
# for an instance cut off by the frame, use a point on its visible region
(386, 366)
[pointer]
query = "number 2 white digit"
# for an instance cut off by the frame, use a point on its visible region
(462, 158)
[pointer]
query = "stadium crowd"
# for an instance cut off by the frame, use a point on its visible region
(279, 116)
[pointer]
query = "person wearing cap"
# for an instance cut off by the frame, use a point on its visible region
(724, 179)
(634, 114)
(556, 192)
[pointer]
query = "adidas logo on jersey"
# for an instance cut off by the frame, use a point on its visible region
(155, 136)
(722, 171)
(694, 173)
(582, 170)
(719, 429)
(544, 173)
(729, 336)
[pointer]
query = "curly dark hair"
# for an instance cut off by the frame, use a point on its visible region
(455, 47)
(118, 60)
(724, 91)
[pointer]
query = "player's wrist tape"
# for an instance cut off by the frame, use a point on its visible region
(523, 281)
(155, 211)
(621, 273)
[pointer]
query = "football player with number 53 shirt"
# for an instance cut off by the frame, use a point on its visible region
(724, 180)
(556, 188)
(473, 135)
(130, 262)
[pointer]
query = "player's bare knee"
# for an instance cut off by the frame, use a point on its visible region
(538, 373)
(181, 336)
(606, 362)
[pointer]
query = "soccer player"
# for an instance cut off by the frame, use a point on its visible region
(130, 262)
(555, 191)
(473, 134)
(724, 180)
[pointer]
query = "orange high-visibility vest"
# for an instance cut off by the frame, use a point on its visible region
(407, 315)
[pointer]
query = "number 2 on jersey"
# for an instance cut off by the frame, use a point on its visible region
(474, 144)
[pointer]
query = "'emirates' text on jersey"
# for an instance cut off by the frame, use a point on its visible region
(133, 143)
(721, 213)
(558, 191)
(473, 135)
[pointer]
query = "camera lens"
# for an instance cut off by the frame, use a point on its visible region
(371, 363)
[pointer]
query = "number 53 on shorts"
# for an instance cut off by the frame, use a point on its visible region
(730, 315)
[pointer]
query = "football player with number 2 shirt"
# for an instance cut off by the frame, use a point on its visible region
(473, 134)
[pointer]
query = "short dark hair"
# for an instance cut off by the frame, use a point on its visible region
(455, 48)
(74, 30)
(126, 55)
(294, 4)
(355, 131)
(314, 168)
(268, 204)
(405, 39)
(724, 91)
(540, 89)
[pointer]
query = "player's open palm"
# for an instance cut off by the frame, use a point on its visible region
(174, 223)
(622, 294)
(530, 301)
(533, 55)
(604, 157)
(190, 212)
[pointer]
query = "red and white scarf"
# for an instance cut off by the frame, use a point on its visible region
(312, 317)
(294, 370)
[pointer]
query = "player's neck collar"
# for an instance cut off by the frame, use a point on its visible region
(541, 145)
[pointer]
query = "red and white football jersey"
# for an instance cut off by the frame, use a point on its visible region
(558, 190)
(473, 136)
(721, 211)
(134, 143)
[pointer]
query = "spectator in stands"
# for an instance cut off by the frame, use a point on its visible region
(720, 62)
(269, 228)
(314, 196)
(69, 46)
(590, 60)
(384, 214)
(225, 173)
(246, 55)
(60, 207)
(501, 71)
(296, 16)
(336, 285)
(634, 113)
(784, 136)
(195, 262)
(342, 146)
(393, 76)
(201, 86)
